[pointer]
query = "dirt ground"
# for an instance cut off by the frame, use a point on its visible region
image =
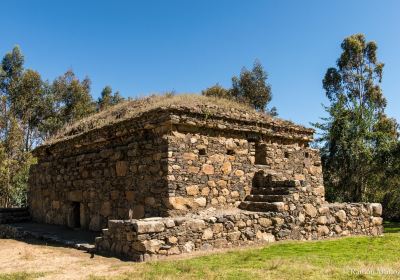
(57, 262)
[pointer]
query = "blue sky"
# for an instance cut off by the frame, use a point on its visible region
(142, 47)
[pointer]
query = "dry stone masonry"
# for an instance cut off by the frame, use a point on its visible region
(178, 178)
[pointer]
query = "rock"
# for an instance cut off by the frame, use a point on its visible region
(192, 190)
(75, 196)
(323, 230)
(233, 236)
(239, 173)
(148, 226)
(320, 191)
(152, 246)
(149, 200)
(235, 194)
(338, 229)
(264, 236)
(222, 183)
(189, 156)
(138, 211)
(341, 215)
(226, 167)
(188, 247)
(265, 222)
(195, 224)
(211, 184)
(129, 195)
(169, 223)
(121, 168)
(55, 204)
(172, 240)
(230, 144)
(201, 201)
(218, 227)
(207, 169)
(299, 177)
(376, 221)
(193, 169)
(310, 210)
(376, 209)
(207, 234)
(302, 218)
(174, 251)
(179, 202)
(106, 209)
(241, 224)
(323, 210)
(322, 220)
(217, 158)
(205, 191)
(278, 221)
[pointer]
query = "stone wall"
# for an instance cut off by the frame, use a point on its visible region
(145, 239)
(219, 168)
(84, 182)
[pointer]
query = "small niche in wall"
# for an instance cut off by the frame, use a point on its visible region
(306, 155)
(230, 152)
(202, 152)
(286, 154)
(261, 154)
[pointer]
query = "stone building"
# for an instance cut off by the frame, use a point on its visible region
(168, 175)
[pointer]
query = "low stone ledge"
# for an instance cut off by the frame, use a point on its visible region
(146, 239)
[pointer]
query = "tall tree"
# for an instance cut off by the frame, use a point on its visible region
(14, 159)
(73, 97)
(357, 130)
(108, 98)
(251, 87)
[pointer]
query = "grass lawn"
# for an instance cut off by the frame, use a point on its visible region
(345, 258)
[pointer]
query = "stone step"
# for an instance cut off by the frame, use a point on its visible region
(262, 206)
(265, 198)
(286, 183)
(15, 214)
(272, 191)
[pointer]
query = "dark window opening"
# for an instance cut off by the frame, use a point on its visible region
(202, 152)
(286, 154)
(230, 152)
(261, 154)
(306, 154)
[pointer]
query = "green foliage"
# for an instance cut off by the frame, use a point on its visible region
(250, 87)
(108, 99)
(216, 91)
(357, 132)
(73, 97)
(30, 111)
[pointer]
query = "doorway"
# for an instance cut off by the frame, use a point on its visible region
(74, 216)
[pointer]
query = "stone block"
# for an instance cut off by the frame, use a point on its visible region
(121, 168)
(148, 226)
(75, 196)
(376, 209)
(207, 234)
(207, 169)
(310, 210)
(192, 190)
(341, 216)
(195, 224)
